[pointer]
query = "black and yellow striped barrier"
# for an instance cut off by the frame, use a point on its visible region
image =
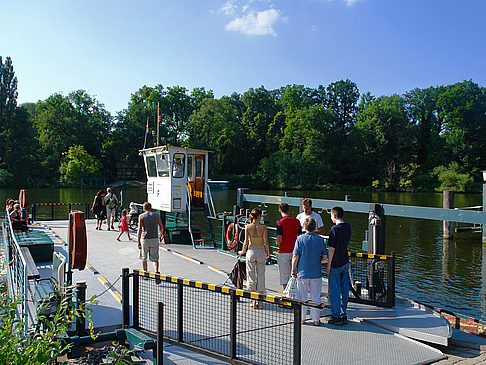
(223, 289)
(35, 206)
(48, 204)
(370, 256)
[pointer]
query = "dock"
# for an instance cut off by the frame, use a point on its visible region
(408, 333)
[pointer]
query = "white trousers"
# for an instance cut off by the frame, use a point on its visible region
(314, 286)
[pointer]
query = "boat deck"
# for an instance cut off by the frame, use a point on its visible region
(373, 335)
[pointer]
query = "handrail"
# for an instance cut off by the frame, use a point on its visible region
(212, 210)
(188, 209)
(16, 271)
(441, 214)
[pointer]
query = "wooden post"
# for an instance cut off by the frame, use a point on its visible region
(448, 203)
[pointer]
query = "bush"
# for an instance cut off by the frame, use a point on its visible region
(77, 164)
(5, 178)
(452, 178)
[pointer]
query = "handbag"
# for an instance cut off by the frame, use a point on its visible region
(291, 288)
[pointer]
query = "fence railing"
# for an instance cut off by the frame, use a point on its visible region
(16, 269)
(52, 211)
(372, 279)
(216, 320)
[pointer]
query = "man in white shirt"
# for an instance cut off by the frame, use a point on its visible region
(307, 207)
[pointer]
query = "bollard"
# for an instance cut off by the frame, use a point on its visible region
(80, 306)
(160, 334)
(448, 203)
(125, 298)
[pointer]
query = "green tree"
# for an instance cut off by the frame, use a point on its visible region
(386, 137)
(453, 177)
(462, 107)
(78, 163)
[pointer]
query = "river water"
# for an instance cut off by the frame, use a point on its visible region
(447, 274)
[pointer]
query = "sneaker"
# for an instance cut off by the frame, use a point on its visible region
(112, 227)
(317, 323)
(108, 229)
(345, 319)
(336, 321)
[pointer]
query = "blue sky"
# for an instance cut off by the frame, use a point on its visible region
(112, 48)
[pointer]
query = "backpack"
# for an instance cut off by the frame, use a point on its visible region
(112, 203)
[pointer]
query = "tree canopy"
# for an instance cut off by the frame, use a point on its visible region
(292, 137)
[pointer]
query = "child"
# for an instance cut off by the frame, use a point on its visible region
(124, 225)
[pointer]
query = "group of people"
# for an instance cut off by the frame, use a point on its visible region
(18, 216)
(302, 252)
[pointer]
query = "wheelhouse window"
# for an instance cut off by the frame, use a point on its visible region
(151, 167)
(189, 168)
(163, 164)
(178, 165)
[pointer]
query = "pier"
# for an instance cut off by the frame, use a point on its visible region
(403, 334)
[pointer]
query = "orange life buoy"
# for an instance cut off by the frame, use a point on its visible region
(232, 235)
(77, 240)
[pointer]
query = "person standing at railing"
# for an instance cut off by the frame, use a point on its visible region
(288, 228)
(256, 241)
(307, 212)
(309, 252)
(338, 267)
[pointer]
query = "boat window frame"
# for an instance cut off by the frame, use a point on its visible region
(151, 166)
(162, 159)
(182, 157)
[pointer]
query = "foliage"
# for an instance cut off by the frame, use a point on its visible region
(453, 178)
(5, 177)
(77, 164)
(342, 136)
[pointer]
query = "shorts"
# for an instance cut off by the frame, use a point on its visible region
(284, 266)
(150, 248)
(110, 212)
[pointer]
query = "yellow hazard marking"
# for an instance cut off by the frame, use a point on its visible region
(152, 275)
(239, 292)
(88, 265)
(186, 281)
(117, 295)
(199, 284)
(163, 277)
(371, 256)
(270, 298)
(174, 279)
(212, 287)
(383, 257)
(225, 289)
(359, 255)
(254, 295)
(102, 279)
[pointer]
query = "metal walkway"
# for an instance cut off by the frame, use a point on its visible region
(373, 335)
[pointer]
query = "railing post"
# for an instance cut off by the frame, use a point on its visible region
(136, 300)
(391, 281)
(80, 302)
(180, 312)
(240, 198)
(33, 213)
(233, 317)
(125, 298)
(160, 334)
(297, 333)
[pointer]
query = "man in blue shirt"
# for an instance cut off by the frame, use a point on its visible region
(309, 251)
(338, 267)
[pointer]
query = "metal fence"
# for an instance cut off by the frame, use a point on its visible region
(51, 211)
(16, 269)
(372, 279)
(216, 320)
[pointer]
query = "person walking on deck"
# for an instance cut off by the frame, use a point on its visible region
(309, 252)
(111, 202)
(288, 228)
(307, 212)
(148, 235)
(124, 225)
(338, 267)
(256, 241)
(98, 208)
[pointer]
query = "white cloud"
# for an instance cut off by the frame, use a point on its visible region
(229, 8)
(351, 2)
(255, 23)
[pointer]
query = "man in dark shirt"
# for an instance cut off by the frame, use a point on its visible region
(338, 267)
(288, 228)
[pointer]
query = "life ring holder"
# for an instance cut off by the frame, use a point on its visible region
(232, 233)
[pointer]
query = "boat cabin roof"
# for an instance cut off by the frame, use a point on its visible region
(166, 148)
